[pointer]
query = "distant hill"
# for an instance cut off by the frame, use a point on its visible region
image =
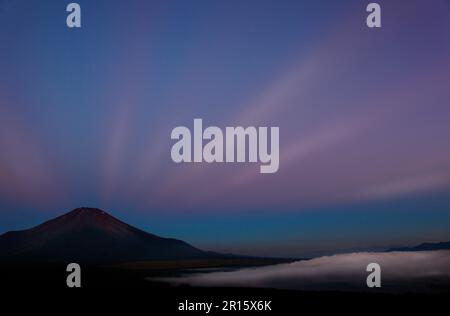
(90, 235)
(424, 247)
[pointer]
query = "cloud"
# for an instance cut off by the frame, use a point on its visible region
(399, 270)
(410, 185)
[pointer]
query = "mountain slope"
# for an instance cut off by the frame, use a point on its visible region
(91, 235)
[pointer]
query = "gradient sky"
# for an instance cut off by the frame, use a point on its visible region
(364, 117)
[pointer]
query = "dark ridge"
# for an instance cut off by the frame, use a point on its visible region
(424, 247)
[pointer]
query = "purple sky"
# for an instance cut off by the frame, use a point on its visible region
(86, 116)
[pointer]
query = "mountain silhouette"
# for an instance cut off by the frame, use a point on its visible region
(424, 247)
(90, 235)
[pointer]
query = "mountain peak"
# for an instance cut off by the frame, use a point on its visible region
(89, 210)
(84, 217)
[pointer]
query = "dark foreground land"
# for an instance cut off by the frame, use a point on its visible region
(126, 291)
(118, 276)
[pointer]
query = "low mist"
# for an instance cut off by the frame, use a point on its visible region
(400, 271)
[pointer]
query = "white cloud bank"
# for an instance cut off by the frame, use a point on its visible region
(402, 271)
